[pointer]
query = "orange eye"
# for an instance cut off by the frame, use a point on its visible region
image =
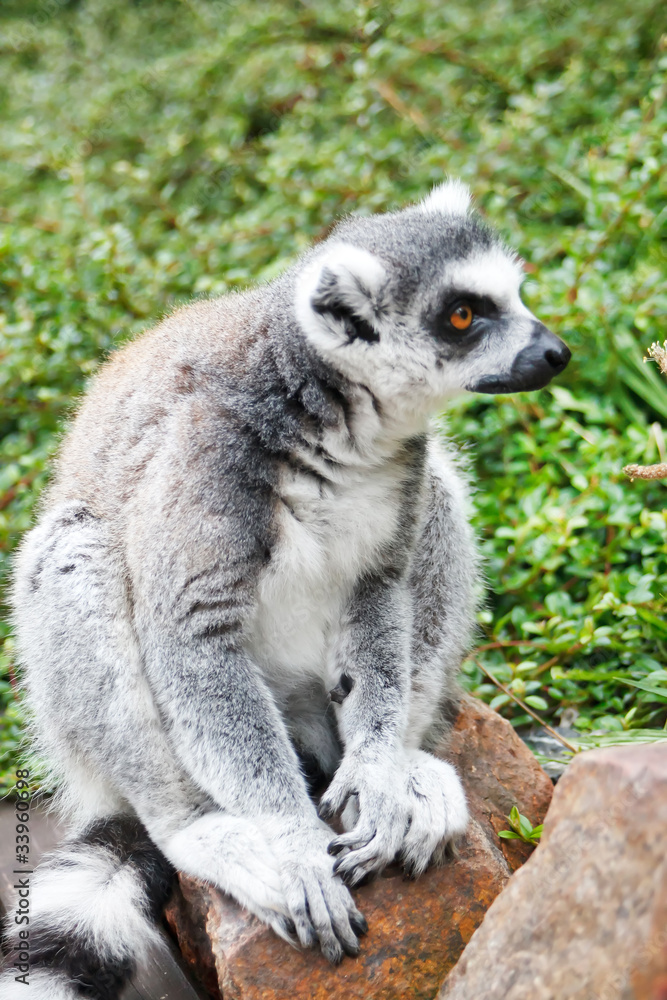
(461, 318)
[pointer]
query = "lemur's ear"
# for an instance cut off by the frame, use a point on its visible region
(450, 198)
(339, 296)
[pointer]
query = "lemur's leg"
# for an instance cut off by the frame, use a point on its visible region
(94, 713)
(97, 720)
(97, 897)
(311, 723)
(402, 648)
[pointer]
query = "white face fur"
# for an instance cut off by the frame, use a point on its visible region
(462, 328)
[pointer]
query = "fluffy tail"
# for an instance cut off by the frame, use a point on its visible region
(93, 908)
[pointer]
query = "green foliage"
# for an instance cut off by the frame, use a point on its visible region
(576, 559)
(522, 828)
(158, 150)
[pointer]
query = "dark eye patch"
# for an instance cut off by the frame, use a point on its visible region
(438, 322)
(484, 306)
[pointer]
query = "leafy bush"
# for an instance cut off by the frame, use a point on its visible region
(157, 150)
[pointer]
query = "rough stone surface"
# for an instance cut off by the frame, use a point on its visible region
(417, 932)
(417, 929)
(498, 771)
(187, 914)
(586, 917)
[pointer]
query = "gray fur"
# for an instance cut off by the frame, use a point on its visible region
(249, 508)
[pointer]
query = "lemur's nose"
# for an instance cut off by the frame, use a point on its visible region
(545, 355)
(559, 356)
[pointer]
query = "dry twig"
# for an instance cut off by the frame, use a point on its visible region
(646, 471)
(526, 708)
(658, 352)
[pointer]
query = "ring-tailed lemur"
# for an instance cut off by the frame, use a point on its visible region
(254, 569)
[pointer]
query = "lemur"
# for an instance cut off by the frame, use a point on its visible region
(253, 578)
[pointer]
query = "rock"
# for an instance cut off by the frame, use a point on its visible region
(586, 917)
(417, 929)
(498, 771)
(417, 932)
(187, 916)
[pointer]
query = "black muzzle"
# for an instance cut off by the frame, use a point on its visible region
(545, 356)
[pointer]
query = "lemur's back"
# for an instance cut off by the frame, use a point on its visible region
(133, 403)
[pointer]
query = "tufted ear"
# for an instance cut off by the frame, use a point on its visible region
(450, 198)
(339, 296)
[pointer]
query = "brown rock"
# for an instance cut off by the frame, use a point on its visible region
(417, 932)
(498, 771)
(649, 977)
(586, 917)
(417, 929)
(187, 915)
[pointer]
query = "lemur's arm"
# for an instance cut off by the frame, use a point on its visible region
(398, 656)
(373, 658)
(197, 537)
(195, 550)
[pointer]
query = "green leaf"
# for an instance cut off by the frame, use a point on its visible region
(658, 624)
(536, 701)
(657, 689)
(522, 828)
(588, 741)
(526, 827)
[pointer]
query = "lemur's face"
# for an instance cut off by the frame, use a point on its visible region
(423, 304)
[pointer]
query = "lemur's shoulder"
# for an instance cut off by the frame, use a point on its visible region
(134, 400)
(220, 330)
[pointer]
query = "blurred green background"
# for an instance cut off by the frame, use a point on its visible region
(154, 151)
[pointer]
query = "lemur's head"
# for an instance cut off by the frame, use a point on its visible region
(424, 303)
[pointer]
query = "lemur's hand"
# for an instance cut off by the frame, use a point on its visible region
(319, 905)
(410, 810)
(383, 807)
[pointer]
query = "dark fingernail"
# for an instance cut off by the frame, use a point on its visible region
(335, 957)
(351, 950)
(290, 926)
(365, 879)
(334, 848)
(359, 923)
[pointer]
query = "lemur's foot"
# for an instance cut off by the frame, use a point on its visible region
(320, 907)
(233, 854)
(438, 811)
(409, 811)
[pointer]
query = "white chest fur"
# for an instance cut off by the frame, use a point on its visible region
(328, 536)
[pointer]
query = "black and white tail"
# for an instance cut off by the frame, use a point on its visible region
(94, 907)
